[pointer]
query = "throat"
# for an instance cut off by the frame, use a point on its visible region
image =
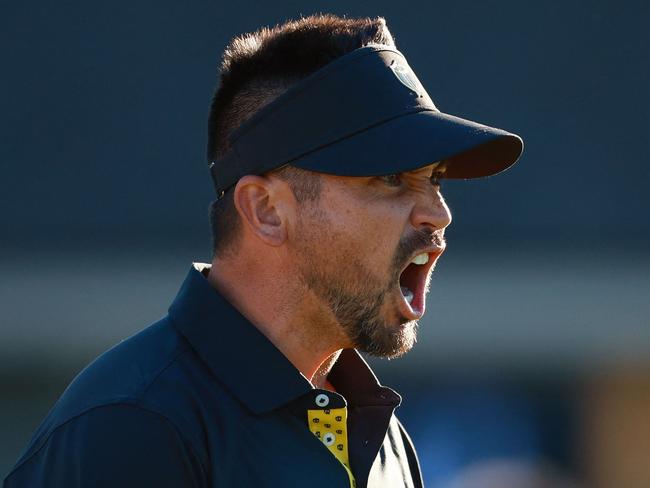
(319, 378)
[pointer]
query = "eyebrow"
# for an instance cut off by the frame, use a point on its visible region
(437, 168)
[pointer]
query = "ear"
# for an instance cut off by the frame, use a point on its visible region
(262, 206)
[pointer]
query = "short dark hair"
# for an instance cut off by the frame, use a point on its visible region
(258, 67)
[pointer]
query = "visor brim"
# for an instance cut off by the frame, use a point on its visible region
(409, 142)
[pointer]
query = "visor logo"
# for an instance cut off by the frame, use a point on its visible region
(405, 76)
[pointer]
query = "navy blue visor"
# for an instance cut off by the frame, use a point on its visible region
(364, 114)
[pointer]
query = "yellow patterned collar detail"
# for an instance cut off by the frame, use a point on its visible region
(330, 426)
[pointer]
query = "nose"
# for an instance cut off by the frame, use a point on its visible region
(431, 211)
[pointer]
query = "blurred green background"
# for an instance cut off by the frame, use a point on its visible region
(534, 358)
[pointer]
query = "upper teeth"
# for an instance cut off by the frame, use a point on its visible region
(421, 259)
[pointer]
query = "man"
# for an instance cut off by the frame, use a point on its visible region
(326, 154)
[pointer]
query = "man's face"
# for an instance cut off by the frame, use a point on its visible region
(366, 249)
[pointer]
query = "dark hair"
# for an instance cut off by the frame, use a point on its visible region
(259, 66)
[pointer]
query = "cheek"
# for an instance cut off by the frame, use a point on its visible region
(378, 233)
(365, 229)
(388, 220)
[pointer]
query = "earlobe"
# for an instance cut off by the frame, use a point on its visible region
(255, 198)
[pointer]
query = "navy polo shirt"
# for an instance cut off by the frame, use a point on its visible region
(203, 399)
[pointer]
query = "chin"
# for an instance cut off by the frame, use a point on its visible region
(389, 342)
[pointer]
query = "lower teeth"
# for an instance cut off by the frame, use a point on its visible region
(408, 294)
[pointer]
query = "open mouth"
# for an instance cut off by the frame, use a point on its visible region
(413, 281)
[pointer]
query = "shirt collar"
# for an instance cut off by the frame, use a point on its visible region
(247, 363)
(353, 378)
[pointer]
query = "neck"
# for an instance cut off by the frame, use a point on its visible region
(319, 379)
(279, 311)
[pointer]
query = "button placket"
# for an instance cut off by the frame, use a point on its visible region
(322, 400)
(329, 439)
(329, 425)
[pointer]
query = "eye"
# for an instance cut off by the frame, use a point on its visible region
(394, 180)
(435, 180)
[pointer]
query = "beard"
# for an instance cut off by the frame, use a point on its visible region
(357, 298)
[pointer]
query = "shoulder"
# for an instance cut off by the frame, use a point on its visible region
(111, 445)
(118, 395)
(123, 374)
